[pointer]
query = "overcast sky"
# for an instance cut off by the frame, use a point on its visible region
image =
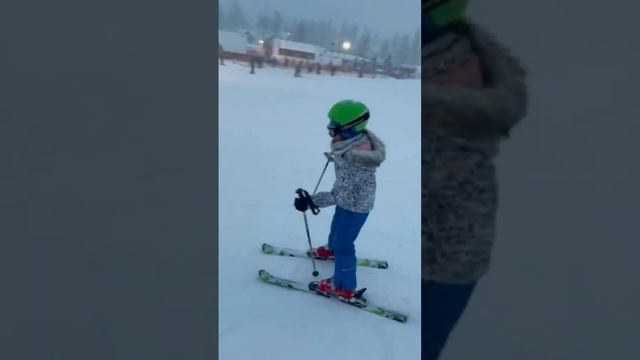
(387, 17)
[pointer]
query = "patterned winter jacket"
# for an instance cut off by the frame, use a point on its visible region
(355, 161)
(473, 93)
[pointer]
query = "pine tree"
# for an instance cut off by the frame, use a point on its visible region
(236, 16)
(416, 49)
(327, 34)
(343, 33)
(364, 43)
(300, 31)
(376, 41)
(277, 22)
(403, 50)
(223, 22)
(353, 34)
(394, 44)
(385, 50)
(263, 22)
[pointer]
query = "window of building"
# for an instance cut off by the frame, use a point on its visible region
(296, 53)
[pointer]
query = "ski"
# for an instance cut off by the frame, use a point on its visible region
(369, 307)
(281, 251)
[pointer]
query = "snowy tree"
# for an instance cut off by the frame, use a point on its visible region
(263, 22)
(376, 41)
(344, 30)
(352, 34)
(320, 32)
(277, 22)
(416, 49)
(236, 15)
(327, 33)
(223, 21)
(364, 43)
(299, 31)
(385, 50)
(402, 52)
(394, 43)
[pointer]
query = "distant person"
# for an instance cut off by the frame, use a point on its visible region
(473, 93)
(356, 153)
(374, 66)
(298, 69)
(388, 65)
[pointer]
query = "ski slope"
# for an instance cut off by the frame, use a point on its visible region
(272, 137)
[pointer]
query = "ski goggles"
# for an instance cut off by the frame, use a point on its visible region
(334, 128)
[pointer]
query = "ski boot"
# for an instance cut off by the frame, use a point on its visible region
(353, 297)
(323, 253)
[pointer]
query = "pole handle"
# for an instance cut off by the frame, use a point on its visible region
(304, 195)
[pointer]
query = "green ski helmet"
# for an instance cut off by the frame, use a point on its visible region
(443, 12)
(439, 16)
(347, 118)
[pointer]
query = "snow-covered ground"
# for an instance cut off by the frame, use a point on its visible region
(272, 136)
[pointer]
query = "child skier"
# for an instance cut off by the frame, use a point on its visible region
(473, 93)
(356, 153)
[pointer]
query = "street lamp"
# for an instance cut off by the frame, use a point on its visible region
(346, 45)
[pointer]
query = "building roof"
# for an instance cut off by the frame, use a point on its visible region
(232, 42)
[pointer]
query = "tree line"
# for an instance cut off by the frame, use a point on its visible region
(402, 48)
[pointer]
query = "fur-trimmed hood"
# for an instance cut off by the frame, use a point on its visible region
(491, 110)
(352, 149)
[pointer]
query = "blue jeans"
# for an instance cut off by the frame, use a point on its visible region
(442, 306)
(345, 228)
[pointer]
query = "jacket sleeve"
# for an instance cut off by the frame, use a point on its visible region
(323, 199)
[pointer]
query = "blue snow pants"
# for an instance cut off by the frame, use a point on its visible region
(345, 228)
(442, 306)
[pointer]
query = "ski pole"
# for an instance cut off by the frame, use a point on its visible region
(313, 260)
(305, 195)
(323, 171)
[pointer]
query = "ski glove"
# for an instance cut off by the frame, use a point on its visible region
(303, 202)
